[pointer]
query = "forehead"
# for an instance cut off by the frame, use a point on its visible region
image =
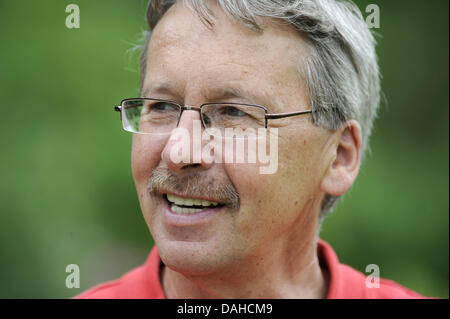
(185, 54)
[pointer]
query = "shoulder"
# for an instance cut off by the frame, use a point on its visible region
(346, 282)
(139, 283)
(391, 289)
(357, 287)
(116, 289)
(107, 290)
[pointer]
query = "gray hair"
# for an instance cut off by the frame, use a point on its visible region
(341, 69)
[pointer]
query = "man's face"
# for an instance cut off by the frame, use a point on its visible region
(191, 64)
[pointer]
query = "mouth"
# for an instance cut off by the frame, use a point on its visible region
(187, 206)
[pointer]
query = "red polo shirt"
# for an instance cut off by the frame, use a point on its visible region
(345, 282)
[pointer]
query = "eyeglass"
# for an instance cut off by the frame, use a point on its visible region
(160, 117)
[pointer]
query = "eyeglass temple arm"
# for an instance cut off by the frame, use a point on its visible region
(283, 115)
(119, 108)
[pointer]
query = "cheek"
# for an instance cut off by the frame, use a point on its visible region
(300, 158)
(145, 156)
(272, 202)
(251, 219)
(268, 207)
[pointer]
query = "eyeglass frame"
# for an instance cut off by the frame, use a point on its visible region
(267, 116)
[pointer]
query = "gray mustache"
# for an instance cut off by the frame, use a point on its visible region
(193, 185)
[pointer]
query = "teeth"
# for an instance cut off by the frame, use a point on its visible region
(183, 210)
(189, 201)
(206, 203)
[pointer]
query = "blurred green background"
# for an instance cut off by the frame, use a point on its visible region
(66, 190)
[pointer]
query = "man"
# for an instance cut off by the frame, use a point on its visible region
(305, 71)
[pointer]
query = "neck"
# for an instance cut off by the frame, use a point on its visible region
(285, 270)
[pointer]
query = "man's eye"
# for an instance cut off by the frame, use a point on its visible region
(161, 106)
(233, 111)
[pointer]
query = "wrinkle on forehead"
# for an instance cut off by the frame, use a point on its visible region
(179, 25)
(193, 57)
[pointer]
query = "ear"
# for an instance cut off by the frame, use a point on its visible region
(344, 169)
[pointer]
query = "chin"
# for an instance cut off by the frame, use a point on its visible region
(193, 258)
(203, 248)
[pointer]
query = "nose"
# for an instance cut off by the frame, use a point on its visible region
(183, 150)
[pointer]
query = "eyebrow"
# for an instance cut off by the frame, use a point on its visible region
(158, 88)
(212, 95)
(224, 93)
